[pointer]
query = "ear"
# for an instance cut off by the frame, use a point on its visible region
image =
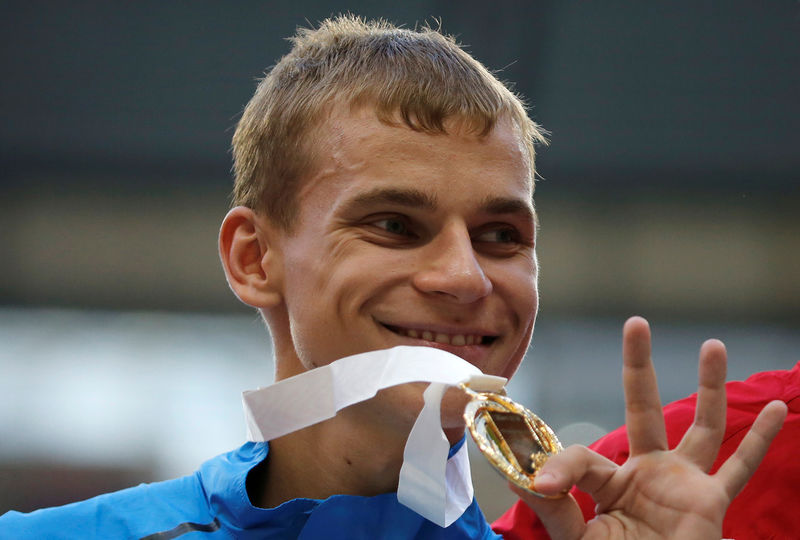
(248, 256)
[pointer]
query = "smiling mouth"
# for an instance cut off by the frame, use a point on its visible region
(458, 340)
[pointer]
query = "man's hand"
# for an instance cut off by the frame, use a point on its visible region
(657, 493)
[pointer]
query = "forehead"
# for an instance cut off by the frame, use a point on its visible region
(359, 126)
(354, 151)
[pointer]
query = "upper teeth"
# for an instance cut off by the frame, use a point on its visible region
(439, 337)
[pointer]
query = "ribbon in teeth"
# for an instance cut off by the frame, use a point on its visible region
(433, 486)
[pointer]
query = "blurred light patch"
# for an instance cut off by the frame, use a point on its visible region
(110, 389)
(584, 433)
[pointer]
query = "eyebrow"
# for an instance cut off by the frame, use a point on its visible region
(404, 197)
(415, 198)
(505, 205)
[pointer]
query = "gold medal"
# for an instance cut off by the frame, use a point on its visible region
(514, 440)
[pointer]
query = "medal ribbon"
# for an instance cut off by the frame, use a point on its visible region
(433, 486)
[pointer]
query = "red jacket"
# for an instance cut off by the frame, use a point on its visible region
(769, 505)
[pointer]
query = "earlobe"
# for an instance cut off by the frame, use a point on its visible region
(248, 258)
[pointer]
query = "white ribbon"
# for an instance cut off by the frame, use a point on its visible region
(433, 486)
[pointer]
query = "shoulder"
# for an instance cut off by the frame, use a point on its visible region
(145, 509)
(131, 513)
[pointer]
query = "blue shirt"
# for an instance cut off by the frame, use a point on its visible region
(213, 504)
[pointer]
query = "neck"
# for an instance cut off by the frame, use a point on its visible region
(357, 452)
(343, 455)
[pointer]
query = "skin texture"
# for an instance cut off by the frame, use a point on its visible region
(403, 231)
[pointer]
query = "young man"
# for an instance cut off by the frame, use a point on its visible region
(383, 197)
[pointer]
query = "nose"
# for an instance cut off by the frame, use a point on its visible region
(451, 269)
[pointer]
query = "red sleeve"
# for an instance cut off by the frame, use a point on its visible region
(765, 509)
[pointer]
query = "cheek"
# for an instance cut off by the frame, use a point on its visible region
(526, 305)
(326, 297)
(519, 286)
(519, 354)
(308, 302)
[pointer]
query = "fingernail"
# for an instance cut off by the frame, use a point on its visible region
(544, 478)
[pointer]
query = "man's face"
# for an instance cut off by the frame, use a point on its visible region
(407, 238)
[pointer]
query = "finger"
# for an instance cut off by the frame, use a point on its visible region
(701, 442)
(577, 465)
(735, 472)
(643, 417)
(562, 517)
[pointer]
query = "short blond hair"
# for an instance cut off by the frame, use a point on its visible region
(420, 76)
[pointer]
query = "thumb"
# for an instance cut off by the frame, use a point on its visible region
(562, 517)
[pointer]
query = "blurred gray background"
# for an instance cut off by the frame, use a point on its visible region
(670, 190)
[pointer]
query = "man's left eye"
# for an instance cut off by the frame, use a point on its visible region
(498, 236)
(393, 226)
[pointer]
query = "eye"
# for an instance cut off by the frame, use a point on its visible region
(502, 240)
(393, 230)
(393, 226)
(502, 235)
